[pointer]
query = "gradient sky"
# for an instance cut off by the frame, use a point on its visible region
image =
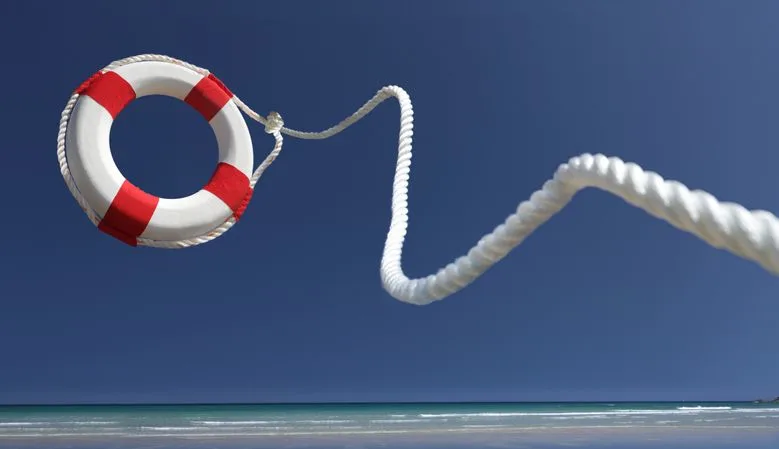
(602, 303)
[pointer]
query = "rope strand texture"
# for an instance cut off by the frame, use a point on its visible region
(753, 235)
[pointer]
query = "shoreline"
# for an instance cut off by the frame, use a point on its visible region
(516, 430)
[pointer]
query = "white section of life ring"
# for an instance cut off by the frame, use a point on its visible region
(97, 176)
(99, 179)
(753, 235)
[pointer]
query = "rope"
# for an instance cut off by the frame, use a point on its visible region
(752, 235)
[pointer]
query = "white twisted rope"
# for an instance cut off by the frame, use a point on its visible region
(753, 235)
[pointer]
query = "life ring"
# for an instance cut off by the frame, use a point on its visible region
(125, 211)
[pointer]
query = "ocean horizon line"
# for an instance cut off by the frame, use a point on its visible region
(357, 403)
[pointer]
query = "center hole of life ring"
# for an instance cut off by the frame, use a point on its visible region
(127, 211)
(163, 146)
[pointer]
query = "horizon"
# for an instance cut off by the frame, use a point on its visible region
(161, 404)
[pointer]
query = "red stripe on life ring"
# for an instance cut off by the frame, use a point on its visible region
(129, 214)
(110, 91)
(208, 97)
(231, 186)
(244, 204)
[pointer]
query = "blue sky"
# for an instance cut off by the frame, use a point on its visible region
(602, 303)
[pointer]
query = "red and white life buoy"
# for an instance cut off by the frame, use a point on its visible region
(125, 211)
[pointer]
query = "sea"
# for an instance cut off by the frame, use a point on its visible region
(615, 425)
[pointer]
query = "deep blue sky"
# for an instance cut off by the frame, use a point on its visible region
(603, 303)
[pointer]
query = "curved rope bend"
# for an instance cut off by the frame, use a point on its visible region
(753, 235)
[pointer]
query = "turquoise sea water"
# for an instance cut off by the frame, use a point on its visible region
(493, 425)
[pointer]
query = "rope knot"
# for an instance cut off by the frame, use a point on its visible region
(273, 123)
